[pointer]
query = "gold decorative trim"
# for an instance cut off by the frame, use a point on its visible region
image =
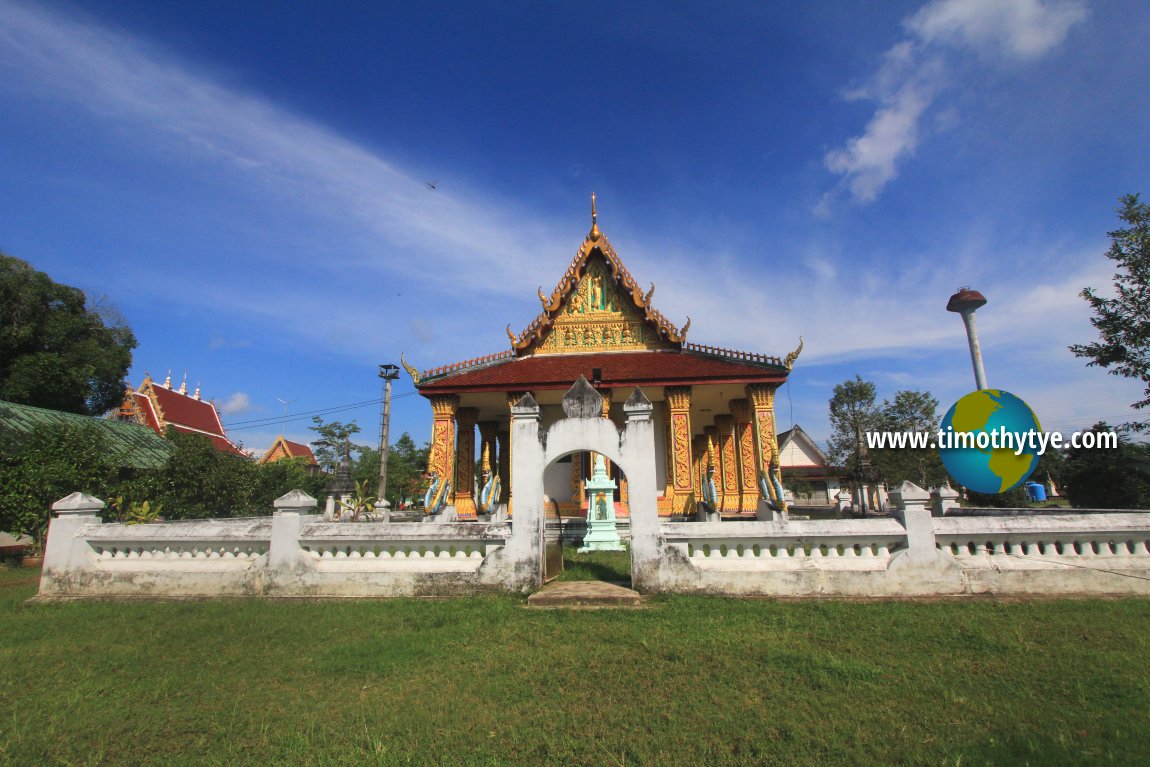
(415, 377)
(627, 285)
(789, 360)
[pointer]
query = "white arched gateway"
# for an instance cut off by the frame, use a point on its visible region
(632, 448)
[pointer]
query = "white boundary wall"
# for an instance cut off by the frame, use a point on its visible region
(296, 554)
(291, 554)
(912, 553)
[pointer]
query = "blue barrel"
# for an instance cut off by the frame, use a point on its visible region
(1035, 491)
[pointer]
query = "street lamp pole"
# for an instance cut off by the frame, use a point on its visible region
(388, 373)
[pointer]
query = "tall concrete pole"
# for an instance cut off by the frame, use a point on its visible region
(966, 302)
(388, 373)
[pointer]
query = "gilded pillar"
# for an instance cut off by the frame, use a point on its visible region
(503, 439)
(577, 478)
(441, 457)
(729, 494)
(465, 463)
(680, 488)
(698, 453)
(606, 394)
(745, 460)
(762, 398)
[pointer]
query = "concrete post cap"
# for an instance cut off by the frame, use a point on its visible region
(525, 407)
(296, 499)
(78, 503)
(908, 491)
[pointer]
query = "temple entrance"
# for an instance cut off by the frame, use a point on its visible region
(586, 520)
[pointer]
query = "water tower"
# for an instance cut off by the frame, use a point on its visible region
(966, 302)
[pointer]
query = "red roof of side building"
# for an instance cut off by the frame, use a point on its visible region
(285, 448)
(159, 407)
(637, 368)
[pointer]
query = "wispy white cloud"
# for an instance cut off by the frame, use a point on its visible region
(1020, 29)
(916, 70)
(405, 229)
(237, 404)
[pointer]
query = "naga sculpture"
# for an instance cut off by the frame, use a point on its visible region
(436, 496)
(771, 490)
(710, 503)
(489, 496)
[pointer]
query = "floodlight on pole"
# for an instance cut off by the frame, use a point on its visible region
(966, 302)
(388, 373)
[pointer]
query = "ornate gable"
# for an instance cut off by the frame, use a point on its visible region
(597, 306)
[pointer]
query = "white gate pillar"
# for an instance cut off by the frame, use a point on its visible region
(637, 457)
(525, 547)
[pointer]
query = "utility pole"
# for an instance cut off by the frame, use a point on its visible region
(388, 373)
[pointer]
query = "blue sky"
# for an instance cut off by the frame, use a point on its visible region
(246, 183)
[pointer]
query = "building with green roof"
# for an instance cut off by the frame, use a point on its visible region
(134, 446)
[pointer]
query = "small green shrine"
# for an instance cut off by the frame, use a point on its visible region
(602, 534)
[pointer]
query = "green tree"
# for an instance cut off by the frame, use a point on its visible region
(853, 413)
(328, 448)
(406, 464)
(55, 351)
(910, 411)
(199, 481)
(53, 462)
(1123, 322)
(1117, 478)
(276, 478)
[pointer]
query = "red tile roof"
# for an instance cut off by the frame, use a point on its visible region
(160, 407)
(187, 411)
(639, 368)
(298, 450)
(285, 448)
(223, 444)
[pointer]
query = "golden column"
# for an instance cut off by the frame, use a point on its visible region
(465, 463)
(762, 398)
(680, 488)
(698, 464)
(503, 438)
(441, 457)
(725, 426)
(745, 443)
(505, 455)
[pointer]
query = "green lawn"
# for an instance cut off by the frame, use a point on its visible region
(613, 566)
(701, 681)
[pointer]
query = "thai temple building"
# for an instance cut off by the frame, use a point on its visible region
(283, 448)
(159, 406)
(714, 407)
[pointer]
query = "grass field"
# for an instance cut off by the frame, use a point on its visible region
(701, 681)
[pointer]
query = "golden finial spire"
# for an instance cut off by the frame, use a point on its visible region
(184, 385)
(594, 222)
(196, 396)
(168, 380)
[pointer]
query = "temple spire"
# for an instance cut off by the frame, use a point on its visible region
(594, 235)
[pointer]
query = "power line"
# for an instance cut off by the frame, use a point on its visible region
(256, 423)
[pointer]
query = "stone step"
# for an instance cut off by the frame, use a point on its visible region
(584, 594)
